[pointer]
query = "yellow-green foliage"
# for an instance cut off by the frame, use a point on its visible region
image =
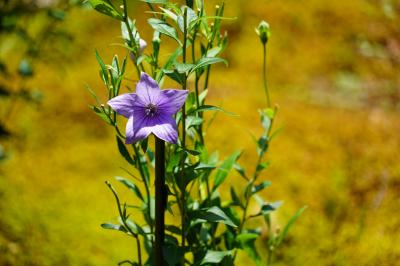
(333, 69)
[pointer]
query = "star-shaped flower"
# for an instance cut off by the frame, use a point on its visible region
(149, 110)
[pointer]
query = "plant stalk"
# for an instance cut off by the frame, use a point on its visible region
(184, 85)
(160, 201)
(265, 75)
(123, 219)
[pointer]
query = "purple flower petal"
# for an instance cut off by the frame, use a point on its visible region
(170, 101)
(147, 89)
(137, 129)
(124, 104)
(165, 129)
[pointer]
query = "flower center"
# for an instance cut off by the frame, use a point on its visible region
(150, 110)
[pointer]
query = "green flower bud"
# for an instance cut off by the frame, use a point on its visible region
(263, 31)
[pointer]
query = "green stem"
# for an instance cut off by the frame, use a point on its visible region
(126, 21)
(265, 75)
(248, 196)
(146, 183)
(184, 85)
(123, 219)
(160, 201)
(269, 257)
(132, 41)
(269, 242)
(200, 128)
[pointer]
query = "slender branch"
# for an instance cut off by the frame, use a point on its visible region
(124, 218)
(146, 184)
(265, 74)
(126, 21)
(200, 127)
(184, 85)
(132, 41)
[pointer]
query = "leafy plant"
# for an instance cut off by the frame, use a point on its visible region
(212, 228)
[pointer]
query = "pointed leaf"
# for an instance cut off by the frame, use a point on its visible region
(106, 8)
(289, 224)
(164, 28)
(225, 168)
(216, 215)
(260, 186)
(124, 151)
(114, 227)
(215, 256)
(246, 241)
(131, 186)
(205, 61)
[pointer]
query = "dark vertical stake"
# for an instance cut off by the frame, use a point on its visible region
(160, 202)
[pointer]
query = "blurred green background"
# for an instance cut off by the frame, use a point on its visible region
(333, 70)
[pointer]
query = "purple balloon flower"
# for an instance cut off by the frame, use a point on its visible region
(149, 110)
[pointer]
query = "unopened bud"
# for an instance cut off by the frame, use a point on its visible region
(263, 31)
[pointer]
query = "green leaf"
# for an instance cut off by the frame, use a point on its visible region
(106, 8)
(202, 166)
(168, 13)
(155, 1)
(269, 207)
(172, 58)
(175, 75)
(173, 161)
(262, 166)
(204, 108)
(266, 120)
(183, 68)
(125, 31)
(173, 229)
(246, 241)
(235, 198)
(114, 227)
(215, 256)
(190, 19)
(131, 186)
(203, 95)
(56, 13)
(172, 254)
(260, 186)
(224, 169)
(205, 61)
(214, 51)
(289, 224)
(124, 151)
(240, 170)
(136, 229)
(262, 144)
(101, 114)
(164, 28)
(216, 215)
(192, 152)
(103, 68)
(266, 208)
(192, 121)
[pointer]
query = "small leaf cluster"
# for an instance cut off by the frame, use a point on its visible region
(208, 228)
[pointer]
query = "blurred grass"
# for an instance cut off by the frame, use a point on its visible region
(337, 86)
